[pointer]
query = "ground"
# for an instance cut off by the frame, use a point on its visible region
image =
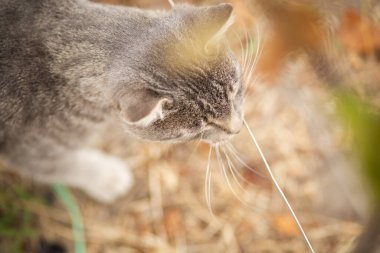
(292, 111)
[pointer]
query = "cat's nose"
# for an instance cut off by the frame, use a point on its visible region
(231, 124)
(235, 123)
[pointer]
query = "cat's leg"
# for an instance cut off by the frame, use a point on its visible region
(103, 177)
(100, 175)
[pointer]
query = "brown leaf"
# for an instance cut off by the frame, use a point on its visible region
(257, 179)
(285, 225)
(359, 34)
(293, 27)
(173, 222)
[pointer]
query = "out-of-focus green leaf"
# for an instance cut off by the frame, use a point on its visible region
(363, 119)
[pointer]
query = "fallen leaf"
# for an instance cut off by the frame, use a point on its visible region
(359, 34)
(285, 225)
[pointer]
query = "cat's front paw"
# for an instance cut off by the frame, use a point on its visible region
(114, 181)
(109, 177)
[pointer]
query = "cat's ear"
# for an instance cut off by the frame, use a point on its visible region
(219, 19)
(142, 107)
(204, 23)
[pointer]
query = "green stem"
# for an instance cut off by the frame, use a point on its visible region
(70, 204)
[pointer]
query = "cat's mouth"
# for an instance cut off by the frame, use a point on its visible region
(217, 137)
(219, 134)
(210, 137)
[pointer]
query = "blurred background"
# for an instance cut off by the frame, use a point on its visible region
(313, 103)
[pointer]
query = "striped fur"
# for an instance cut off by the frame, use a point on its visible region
(67, 66)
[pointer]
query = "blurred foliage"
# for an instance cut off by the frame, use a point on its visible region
(360, 34)
(17, 228)
(364, 121)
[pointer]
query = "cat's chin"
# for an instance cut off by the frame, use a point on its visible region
(217, 139)
(217, 142)
(213, 140)
(183, 138)
(174, 140)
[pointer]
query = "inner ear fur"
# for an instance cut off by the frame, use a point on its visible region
(142, 107)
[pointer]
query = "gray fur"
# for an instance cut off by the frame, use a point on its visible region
(67, 66)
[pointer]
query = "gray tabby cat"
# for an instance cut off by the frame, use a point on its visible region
(67, 66)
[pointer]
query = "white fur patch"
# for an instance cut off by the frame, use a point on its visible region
(103, 177)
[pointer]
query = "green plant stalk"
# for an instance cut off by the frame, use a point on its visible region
(70, 204)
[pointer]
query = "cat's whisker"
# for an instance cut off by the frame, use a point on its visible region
(249, 54)
(249, 69)
(242, 56)
(246, 51)
(233, 171)
(196, 146)
(208, 182)
(278, 186)
(249, 75)
(248, 91)
(248, 79)
(247, 59)
(223, 171)
(233, 167)
(200, 139)
(259, 50)
(242, 52)
(245, 55)
(234, 152)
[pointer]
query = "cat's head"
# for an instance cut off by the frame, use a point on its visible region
(182, 81)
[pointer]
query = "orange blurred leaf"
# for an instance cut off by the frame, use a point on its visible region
(359, 34)
(285, 225)
(173, 222)
(293, 27)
